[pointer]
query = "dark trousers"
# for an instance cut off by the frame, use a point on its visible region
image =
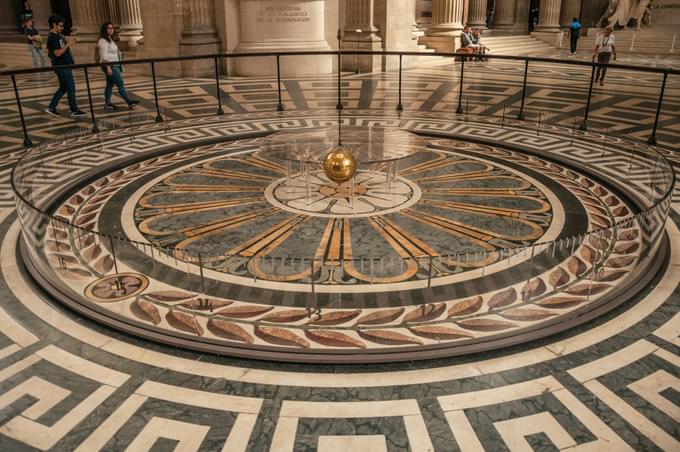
(573, 40)
(602, 58)
(66, 86)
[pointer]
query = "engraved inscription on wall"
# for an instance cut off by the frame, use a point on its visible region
(282, 14)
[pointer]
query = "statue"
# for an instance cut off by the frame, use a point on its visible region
(622, 13)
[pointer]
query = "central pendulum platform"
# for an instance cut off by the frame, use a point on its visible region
(374, 242)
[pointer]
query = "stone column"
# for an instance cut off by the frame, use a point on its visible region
(570, 9)
(504, 15)
(447, 18)
(114, 13)
(130, 22)
(522, 16)
(423, 13)
(199, 36)
(41, 11)
(361, 33)
(477, 14)
(88, 15)
(549, 16)
(9, 20)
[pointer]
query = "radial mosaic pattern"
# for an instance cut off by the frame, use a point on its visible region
(244, 217)
(468, 245)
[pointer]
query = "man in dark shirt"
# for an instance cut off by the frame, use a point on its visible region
(59, 52)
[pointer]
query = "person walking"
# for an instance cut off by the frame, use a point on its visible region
(574, 34)
(59, 51)
(109, 54)
(35, 43)
(604, 49)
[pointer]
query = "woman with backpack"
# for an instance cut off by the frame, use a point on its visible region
(110, 56)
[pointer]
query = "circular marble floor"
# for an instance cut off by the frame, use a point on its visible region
(475, 245)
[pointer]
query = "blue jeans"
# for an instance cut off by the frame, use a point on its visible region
(35, 54)
(66, 86)
(115, 79)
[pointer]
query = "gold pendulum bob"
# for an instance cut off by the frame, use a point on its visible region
(340, 165)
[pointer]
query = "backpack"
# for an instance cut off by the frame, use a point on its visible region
(97, 56)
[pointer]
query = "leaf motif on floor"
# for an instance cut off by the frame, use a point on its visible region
(439, 332)
(229, 330)
(285, 316)
(183, 321)
(485, 324)
(244, 311)
(584, 289)
(560, 302)
(333, 338)
(146, 310)
(527, 314)
(558, 277)
(335, 317)
(533, 288)
(169, 295)
(387, 337)
(425, 312)
(503, 298)
(280, 336)
(465, 307)
(380, 317)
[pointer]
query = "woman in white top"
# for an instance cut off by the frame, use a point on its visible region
(108, 53)
(604, 49)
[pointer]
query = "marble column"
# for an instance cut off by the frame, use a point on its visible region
(447, 18)
(9, 21)
(504, 15)
(199, 36)
(570, 9)
(549, 16)
(423, 13)
(522, 16)
(41, 11)
(477, 14)
(130, 22)
(361, 33)
(88, 15)
(114, 13)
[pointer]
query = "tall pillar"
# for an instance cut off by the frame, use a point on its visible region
(522, 16)
(199, 36)
(9, 20)
(88, 15)
(423, 13)
(130, 22)
(549, 16)
(477, 14)
(41, 11)
(570, 9)
(447, 18)
(361, 33)
(504, 15)
(114, 12)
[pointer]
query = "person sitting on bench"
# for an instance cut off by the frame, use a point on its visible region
(477, 40)
(467, 41)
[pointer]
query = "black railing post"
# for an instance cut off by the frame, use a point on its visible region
(584, 125)
(279, 107)
(400, 107)
(520, 116)
(459, 110)
(95, 129)
(159, 118)
(652, 139)
(220, 111)
(338, 106)
(27, 140)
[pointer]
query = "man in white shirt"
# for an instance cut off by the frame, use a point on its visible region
(604, 49)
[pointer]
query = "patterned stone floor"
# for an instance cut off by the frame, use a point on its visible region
(69, 384)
